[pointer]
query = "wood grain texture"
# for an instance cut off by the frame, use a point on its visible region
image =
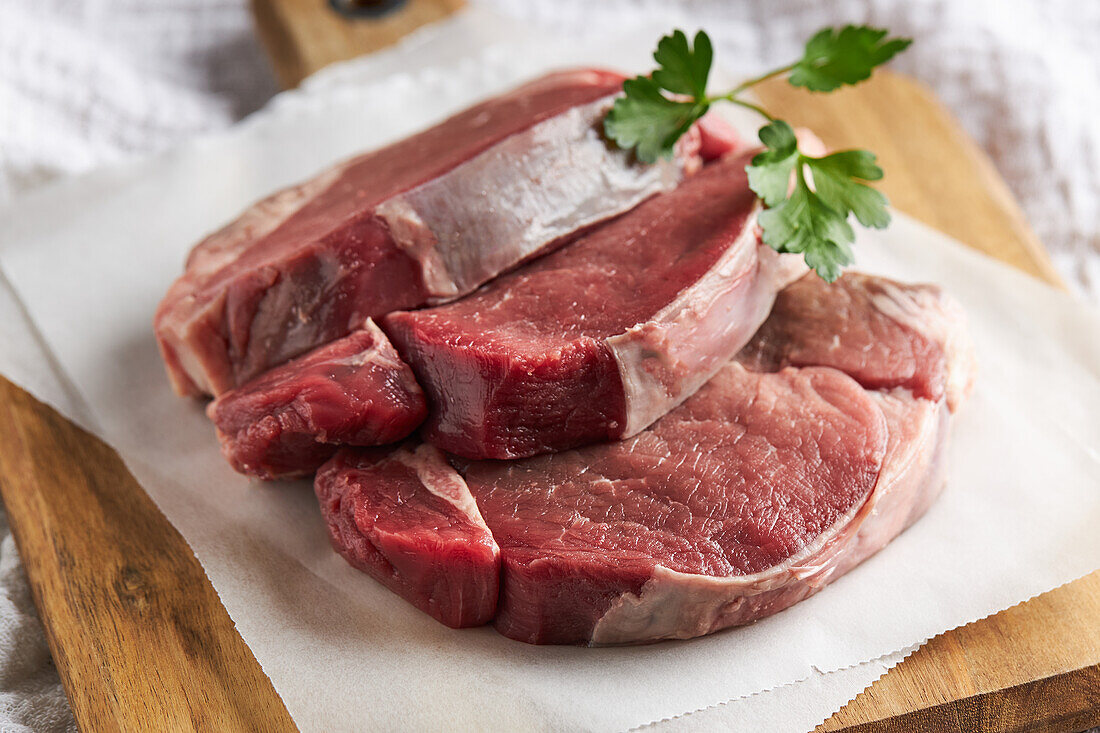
(302, 36)
(1032, 667)
(1025, 707)
(934, 170)
(142, 641)
(136, 630)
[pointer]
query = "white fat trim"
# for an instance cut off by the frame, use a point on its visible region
(439, 478)
(411, 234)
(189, 364)
(380, 351)
(481, 218)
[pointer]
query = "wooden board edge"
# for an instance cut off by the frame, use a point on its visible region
(987, 218)
(1024, 635)
(1021, 708)
(140, 661)
(304, 36)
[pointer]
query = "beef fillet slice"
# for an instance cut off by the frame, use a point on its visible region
(597, 340)
(426, 219)
(290, 420)
(763, 487)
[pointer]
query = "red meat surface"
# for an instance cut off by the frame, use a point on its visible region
(355, 391)
(405, 225)
(759, 490)
(595, 341)
(406, 518)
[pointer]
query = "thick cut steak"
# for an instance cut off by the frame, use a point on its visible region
(287, 422)
(752, 495)
(767, 484)
(598, 339)
(406, 518)
(423, 220)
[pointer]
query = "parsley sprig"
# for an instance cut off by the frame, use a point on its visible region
(656, 110)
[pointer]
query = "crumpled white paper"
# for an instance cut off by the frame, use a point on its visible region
(89, 259)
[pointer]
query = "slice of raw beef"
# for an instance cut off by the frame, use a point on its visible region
(598, 339)
(406, 518)
(287, 422)
(766, 485)
(893, 335)
(423, 220)
(752, 495)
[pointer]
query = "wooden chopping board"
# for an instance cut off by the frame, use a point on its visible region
(141, 640)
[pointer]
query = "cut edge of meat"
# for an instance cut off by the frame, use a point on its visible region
(275, 425)
(459, 594)
(665, 360)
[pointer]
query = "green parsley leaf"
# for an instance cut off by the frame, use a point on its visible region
(836, 180)
(649, 121)
(814, 221)
(645, 118)
(802, 223)
(683, 70)
(654, 112)
(834, 58)
(770, 172)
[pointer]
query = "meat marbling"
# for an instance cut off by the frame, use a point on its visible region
(767, 484)
(598, 339)
(290, 420)
(409, 224)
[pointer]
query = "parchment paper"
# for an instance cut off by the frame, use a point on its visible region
(795, 708)
(87, 261)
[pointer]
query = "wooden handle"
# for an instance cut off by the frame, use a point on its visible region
(302, 36)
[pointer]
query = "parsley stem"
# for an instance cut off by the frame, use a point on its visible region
(758, 79)
(731, 96)
(749, 105)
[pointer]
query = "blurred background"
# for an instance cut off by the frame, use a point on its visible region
(88, 83)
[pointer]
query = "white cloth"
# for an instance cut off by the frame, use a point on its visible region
(86, 83)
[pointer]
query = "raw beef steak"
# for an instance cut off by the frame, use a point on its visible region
(287, 422)
(766, 485)
(406, 518)
(752, 495)
(423, 220)
(598, 339)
